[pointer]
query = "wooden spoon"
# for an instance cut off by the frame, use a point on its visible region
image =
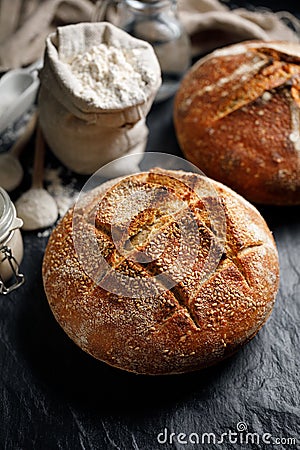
(36, 207)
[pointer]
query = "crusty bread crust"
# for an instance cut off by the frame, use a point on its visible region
(237, 117)
(208, 313)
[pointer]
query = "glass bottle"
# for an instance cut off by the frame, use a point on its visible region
(11, 245)
(156, 21)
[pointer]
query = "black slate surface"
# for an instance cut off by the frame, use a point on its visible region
(54, 396)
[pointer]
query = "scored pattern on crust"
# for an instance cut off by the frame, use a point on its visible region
(245, 78)
(156, 234)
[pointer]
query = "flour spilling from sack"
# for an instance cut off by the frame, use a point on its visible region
(111, 77)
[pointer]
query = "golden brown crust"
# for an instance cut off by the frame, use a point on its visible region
(209, 310)
(237, 117)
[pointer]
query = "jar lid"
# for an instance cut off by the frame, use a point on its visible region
(7, 214)
(141, 4)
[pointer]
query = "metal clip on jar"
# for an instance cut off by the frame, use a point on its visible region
(11, 245)
(156, 21)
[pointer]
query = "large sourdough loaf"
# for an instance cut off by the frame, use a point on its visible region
(237, 117)
(170, 287)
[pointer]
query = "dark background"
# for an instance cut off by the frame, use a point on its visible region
(54, 396)
(288, 5)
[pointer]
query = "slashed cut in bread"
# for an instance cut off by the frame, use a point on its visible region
(237, 117)
(161, 272)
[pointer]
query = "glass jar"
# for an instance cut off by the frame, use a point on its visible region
(11, 245)
(156, 21)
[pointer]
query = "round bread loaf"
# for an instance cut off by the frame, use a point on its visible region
(237, 117)
(161, 272)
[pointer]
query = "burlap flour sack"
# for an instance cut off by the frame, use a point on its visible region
(85, 133)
